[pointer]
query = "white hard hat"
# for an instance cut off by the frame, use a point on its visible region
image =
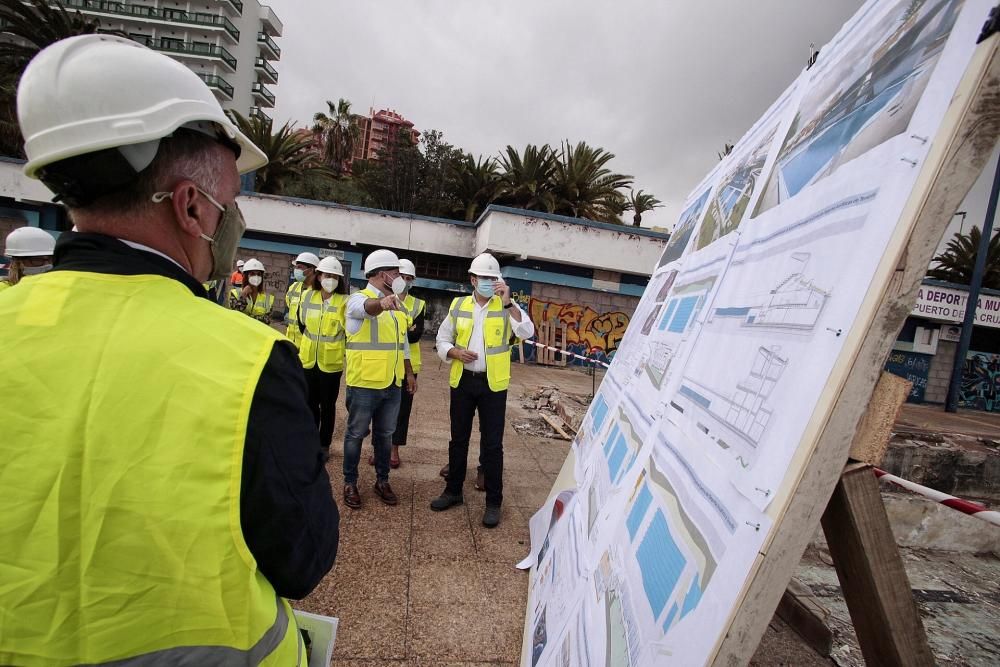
(90, 93)
(381, 259)
(252, 265)
(485, 265)
(29, 242)
(240, 263)
(307, 258)
(330, 265)
(406, 268)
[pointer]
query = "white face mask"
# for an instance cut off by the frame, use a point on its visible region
(35, 270)
(255, 280)
(329, 284)
(398, 285)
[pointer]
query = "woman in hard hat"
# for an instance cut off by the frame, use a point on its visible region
(30, 250)
(322, 347)
(252, 299)
(303, 270)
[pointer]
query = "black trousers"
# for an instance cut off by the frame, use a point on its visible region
(471, 395)
(403, 420)
(324, 388)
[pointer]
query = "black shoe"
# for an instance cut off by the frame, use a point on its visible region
(444, 501)
(491, 517)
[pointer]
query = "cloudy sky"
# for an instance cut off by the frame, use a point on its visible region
(662, 84)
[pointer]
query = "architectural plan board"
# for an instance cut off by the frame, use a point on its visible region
(738, 355)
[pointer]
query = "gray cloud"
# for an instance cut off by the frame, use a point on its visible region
(662, 84)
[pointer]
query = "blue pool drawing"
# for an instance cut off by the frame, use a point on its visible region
(661, 563)
(667, 314)
(683, 313)
(600, 413)
(638, 511)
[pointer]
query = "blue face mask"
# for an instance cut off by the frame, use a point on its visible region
(485, 288)
(299, 274)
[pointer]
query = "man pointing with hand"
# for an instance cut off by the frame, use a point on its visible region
(475, 338)
(378, 360)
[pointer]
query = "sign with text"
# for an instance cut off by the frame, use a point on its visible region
(948, 304)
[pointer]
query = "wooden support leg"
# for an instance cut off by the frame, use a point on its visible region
(871, 573)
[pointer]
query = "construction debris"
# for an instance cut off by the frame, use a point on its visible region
(563, 412)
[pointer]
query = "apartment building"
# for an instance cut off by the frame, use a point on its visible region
(378, 129)
(230, 44)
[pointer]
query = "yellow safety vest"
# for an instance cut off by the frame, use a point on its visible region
(4, 285)
(496, 336)
(259, 306)
(414, 307)
(375, 352)
(323, 340)
(292, 298)
(120, 480)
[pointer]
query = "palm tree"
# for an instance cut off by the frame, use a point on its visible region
(640, 202)
(526, 179)
(338, 133)
(583, 185)
(955, 264)
(25, 29)
(290, 153)
(476, 182)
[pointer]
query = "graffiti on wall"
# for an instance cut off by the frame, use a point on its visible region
(911, 366)
(981, 382)
(586, 329)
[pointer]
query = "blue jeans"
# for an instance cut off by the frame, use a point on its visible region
(377, 408)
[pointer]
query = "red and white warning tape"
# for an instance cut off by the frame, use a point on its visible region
(568, 354)
(965, 506)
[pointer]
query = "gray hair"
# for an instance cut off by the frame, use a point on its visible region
(183, 155)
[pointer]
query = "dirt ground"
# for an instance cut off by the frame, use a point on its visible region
(416, 587)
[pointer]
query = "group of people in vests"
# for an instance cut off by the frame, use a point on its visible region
(164, 480)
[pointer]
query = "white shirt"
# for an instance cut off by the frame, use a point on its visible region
(139, 246)
(446, 334)
(356, 315)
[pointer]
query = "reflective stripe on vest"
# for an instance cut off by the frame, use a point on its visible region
(495, 340)
(222, 656)
(372, 342)
(413, 312)
(151, 436)
(375, 352)
(324, 335)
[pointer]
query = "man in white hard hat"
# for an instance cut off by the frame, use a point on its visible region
(378, 361)
(160, 476)
(30, 250)
(414, 309)
(475, 339)
(303, 270)
(236, 279)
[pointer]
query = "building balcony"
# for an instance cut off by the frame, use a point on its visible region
(265, 71)
(257, 112)
(269, 21)
(191, 49)
(145, 14)
(269, 46)
(261, 92)
(218, 83)
(236, 5)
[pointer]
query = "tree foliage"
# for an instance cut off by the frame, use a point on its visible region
(640, 202)
(291, 155)
(338, 134)
(956, 263)
(25, 29)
